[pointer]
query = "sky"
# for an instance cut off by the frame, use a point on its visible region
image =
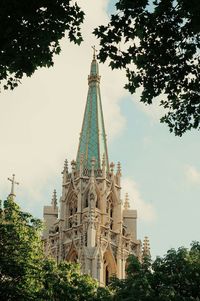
(40, 123)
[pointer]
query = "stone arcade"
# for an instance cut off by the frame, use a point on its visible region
(94, 226)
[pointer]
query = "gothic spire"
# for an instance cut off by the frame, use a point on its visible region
(93, 137)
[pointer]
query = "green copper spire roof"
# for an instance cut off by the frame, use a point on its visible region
(93, 138)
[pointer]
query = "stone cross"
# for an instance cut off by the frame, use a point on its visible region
(12, 193)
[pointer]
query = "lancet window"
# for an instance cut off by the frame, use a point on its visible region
(86, 202)
(97, 204)
(106, 276)
(109, 268)
(85, 239)
(110, 212)
(72, 210)
(70, 223)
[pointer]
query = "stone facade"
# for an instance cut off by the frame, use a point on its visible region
(94, 226)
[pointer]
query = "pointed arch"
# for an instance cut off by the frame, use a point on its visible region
(72, 255)
(109, 265)
(71, 206)
(91, 191)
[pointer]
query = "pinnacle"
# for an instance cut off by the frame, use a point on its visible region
(54, 199)
(66, 164)
(119, 168)
(146, 247)
(126, 202)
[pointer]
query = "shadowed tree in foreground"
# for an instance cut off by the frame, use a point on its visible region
(20, 253)
(30, 33)
(159, 47)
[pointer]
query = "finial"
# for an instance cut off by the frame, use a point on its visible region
(66, 165)
(73, 165)
(112, 165)
(54, 199)
(94, 52)
(12, 193)
(126, 203)
(146, 247)
(65, 172)
(119, 168)
(93, 161)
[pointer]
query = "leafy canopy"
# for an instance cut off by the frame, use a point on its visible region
(174, 277)
(25, 273)
(65, 282)
(30, 32)
(156, 42)
(20, 252)
(158, 45)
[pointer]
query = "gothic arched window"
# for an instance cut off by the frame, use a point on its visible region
(106, 276)
(70, 209)
(86, 239)
(123, 232)
(111, 209)
(70, 223)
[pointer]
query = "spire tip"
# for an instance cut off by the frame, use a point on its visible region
(94, 52)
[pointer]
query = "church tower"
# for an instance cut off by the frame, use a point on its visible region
(94, 226)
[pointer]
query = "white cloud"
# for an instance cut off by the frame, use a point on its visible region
(146, 211)
(40, 121)
(192, 174)
(154, 110)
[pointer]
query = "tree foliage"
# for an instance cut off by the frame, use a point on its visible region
(175, 277)
(156, 42)
(25, 273)
(160, 47)
(20, 253)
(30, 32)
(65, 282)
